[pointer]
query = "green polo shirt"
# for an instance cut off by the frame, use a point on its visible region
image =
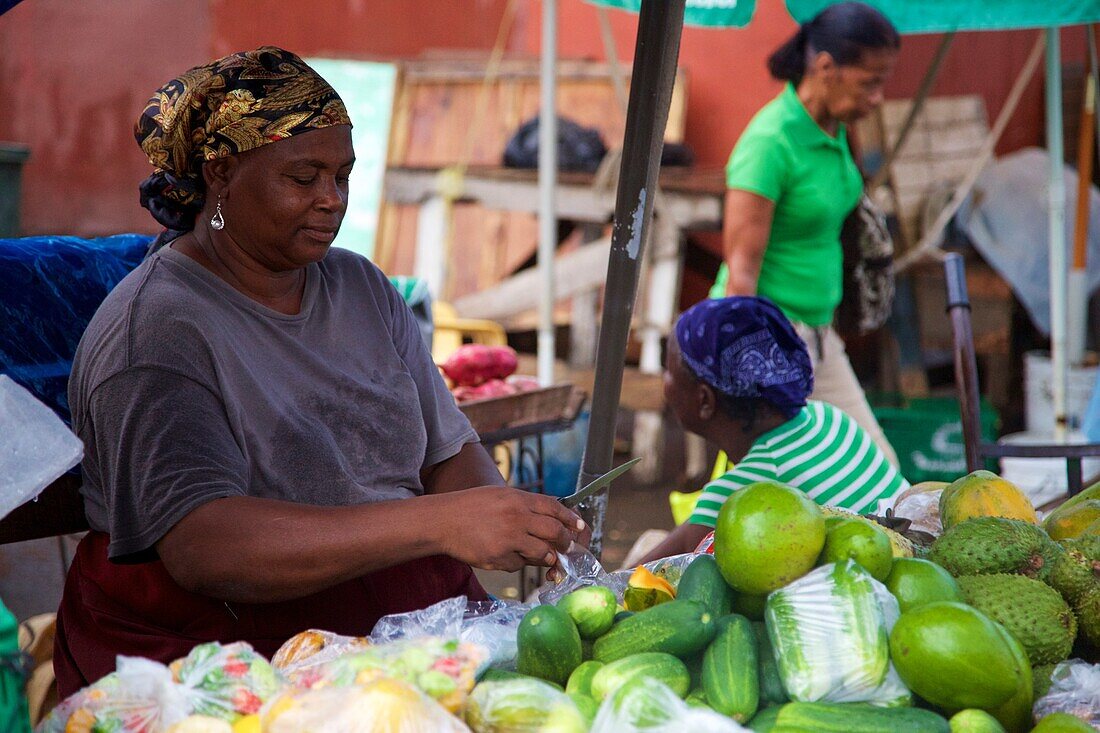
(784, 156)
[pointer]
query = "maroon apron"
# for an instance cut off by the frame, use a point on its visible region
(138, 610)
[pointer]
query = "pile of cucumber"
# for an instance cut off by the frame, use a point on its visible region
(696, 646)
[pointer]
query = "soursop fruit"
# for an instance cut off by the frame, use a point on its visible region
(1088, 611)
(1077, 571)
(1040, 678)
(989, 545)
(1033, 612)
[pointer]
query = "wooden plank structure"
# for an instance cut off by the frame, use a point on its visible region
(435, 103)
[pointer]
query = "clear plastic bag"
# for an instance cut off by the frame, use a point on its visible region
(226, 681)
(580, 568)
(139, 697)
(37, 446)
(649, 706)
(829, 631)
(313, 647)
(381, 705)
(920, 504)
(491, 625)
(200, 724)
(1074, 689)
(522, 706)
(444, 669)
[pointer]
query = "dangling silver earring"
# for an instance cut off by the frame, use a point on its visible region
(217, 221)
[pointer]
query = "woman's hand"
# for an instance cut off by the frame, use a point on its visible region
(504, 529)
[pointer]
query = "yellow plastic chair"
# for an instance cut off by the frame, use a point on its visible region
(451, 331)
(683, 504)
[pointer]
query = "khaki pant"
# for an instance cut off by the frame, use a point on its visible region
(836, 383)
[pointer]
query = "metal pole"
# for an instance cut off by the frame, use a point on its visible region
(548, 175)
(656, 50)
(1059, 260)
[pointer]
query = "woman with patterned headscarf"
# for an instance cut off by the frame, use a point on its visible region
(268, 445)
(740, 376)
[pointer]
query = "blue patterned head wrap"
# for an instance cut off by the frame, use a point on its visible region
(745, 347)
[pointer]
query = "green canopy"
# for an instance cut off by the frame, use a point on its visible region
(939, 16)
(705, 13)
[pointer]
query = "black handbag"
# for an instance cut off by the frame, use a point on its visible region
(868, 294)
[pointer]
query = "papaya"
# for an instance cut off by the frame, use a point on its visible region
(1015, 713)
(768, 537)
(1092, 492)
(645, 590)
(937, 645)
(984, 494)
(1072, 520)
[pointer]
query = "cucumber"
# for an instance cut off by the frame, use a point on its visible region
(697, 698)
(731, 675)
(796, 717)
(586, 705)
(592, 609)
(497, 675)
(702, 581)
(581, 680)
(765, 720)
(622, 616)
(771, 684)
(677, 627)
(548, 645)
(586, 649)
(658, 665)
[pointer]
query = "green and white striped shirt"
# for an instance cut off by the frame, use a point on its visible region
(821, 451)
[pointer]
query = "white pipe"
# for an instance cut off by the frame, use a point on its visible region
(1059, 256)
(548, 174)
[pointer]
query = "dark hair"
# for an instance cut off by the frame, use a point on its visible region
(844, 31)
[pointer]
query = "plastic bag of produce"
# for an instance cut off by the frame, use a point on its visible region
(649, 706)
(491, 625)
(1074, 689)
(381, 705)
(139, 697)
(829, 631)
(201, 724)
(444, 669)
(313, 647)
(226, 681)
(522, 706)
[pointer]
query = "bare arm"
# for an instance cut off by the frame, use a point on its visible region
(471, 466)
(252, 550)
(684, 538)
(746, 226)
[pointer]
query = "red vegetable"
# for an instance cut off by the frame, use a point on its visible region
(474, 364)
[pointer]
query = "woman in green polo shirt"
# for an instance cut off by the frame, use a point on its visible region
(792, 182)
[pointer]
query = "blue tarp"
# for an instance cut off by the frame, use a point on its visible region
(50, 287)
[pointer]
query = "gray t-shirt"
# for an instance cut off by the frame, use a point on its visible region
(184, 390)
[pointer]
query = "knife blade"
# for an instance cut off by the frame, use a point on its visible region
(573, 499)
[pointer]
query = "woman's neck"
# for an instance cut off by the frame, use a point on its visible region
(280, 291)
(732, 437)
(813, 99)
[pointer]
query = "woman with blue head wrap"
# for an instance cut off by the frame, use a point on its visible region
(739, 375)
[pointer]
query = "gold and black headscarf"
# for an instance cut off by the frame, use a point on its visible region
(228, 106)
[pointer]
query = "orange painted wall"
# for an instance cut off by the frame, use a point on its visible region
(74, 75)
(73, 78)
